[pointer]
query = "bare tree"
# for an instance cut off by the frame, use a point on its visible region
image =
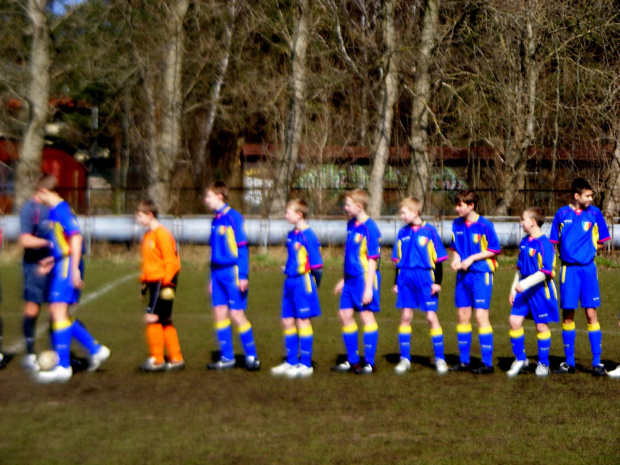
(38, 97)
(420, 171)
(387, 101)
(288, 157)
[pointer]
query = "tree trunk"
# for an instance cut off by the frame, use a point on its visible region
(29, 165)
(516, 163)
(383, 131)
(420, 171)
(214, 94)
(162, 167)
(612, 194)
(289, 155)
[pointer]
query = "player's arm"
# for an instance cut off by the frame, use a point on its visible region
(370, 281)
(168, 249)
(76, 241)
(456, 261)
(484, 255)
(513, 288)
(243, 254)
(30, 241)
(436, 287)
(313, 246)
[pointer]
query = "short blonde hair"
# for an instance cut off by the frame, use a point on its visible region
(298, 205)
(359, 196)
(411, 203)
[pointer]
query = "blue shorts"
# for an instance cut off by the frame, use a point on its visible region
(414, 290)
(225, 287)
(539, 302)
(35, 284)
(61, 284)
(473, 289)
(353, 292)
(301, 297)
(579, 283)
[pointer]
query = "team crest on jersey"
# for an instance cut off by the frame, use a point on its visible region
(222, 230)
(297, 246)
(587, 225)
(357, 238)
(422, 240)
(532, 252)
(476, 238)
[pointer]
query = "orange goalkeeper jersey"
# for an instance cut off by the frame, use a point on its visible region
(160, 258)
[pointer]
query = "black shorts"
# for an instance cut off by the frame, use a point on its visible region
(35, 284)
(158, 306)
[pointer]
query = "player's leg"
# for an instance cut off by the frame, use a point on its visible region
(570, 284)
(544, 346)
(436, 333)
(223, 325)
(154, 332)
(596, 337)
(485, 336)
(371, 340)
(517, 340)
(404, 341)
(61, 341)
(304, 368)
(171, 336)
(463, 334)
(291, 346)
(349, 337)
(246, 335)
(35, 286)
(569, 334)
(464, 301)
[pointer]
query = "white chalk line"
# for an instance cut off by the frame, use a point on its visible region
(44, 327)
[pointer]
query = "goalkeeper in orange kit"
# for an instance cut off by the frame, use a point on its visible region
(160, 271)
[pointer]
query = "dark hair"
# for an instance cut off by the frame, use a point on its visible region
(220, 188)
(298, 205)
(537, 214)
(148, 206)
(579, 185)
(467, 197)
(46, 181)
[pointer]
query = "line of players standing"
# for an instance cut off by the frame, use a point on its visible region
(578, 230)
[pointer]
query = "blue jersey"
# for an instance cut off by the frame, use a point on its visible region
(304, 252)
(418, 246)
(578, 232)
(229, 243)
(63, 224)
(34, 220)
(536, 254)
(470, 238)
(363, 244)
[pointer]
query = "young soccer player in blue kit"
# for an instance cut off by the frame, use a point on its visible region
(65, 285)
(229, 279)
(300, 302)
(361, 285)
(419, 255)
(579, 230)
(475, 245)
(533, 293)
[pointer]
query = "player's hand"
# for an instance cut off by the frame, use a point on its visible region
(456, 264)
(210, 288)
(45, 266)
(76, 277)
(150, 318)
(519, 288)
(511, 297)
(243, 285)
(395, 289)
(465, 264)
(339, 286)
(367, 297)
(435, 289)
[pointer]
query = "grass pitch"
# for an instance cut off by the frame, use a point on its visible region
(118, 415)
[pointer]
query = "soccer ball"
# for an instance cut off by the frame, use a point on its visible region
(47, 360)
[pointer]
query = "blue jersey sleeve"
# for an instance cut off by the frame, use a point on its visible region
(492, 239)
(554, 236)
(442, 254)
(397, 250)
(241, 238)
(67, 219)
(314, 249)
(548, 261)
(603, 232)
(374, 241)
